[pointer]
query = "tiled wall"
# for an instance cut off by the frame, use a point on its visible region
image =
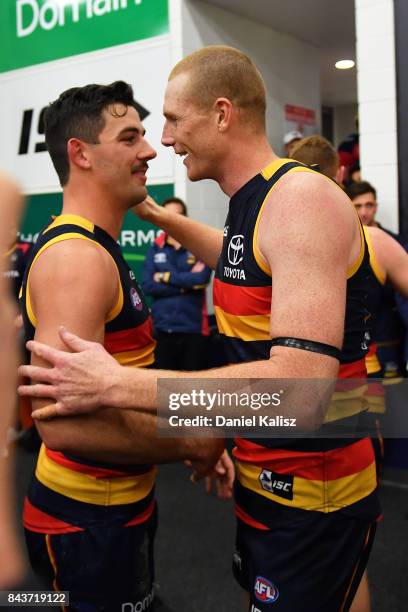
(376, 80)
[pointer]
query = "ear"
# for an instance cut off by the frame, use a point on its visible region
(340, 175)
(78, 153)
(224, 109)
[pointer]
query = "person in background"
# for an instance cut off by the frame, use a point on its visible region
(15, 261)
(354, 175)
(349, 150)
(289, 141)
(388, 263)
(176, 281)
(11, 564)
(389, 331)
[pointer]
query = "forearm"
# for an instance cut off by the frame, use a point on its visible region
(115, 436)
(203, 241)
(128, 384)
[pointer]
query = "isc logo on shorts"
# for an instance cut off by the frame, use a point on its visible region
(278, 484)
(265, 590)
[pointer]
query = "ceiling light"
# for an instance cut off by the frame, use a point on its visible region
(345, 64)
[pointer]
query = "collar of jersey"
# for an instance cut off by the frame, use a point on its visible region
(273, 167)
(72, 220)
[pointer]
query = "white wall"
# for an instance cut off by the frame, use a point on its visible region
(290, 69)
(344, 121)
(377, 103)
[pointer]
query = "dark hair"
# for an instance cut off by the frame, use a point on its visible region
(77, 113)
(357, 189)
(176, 200)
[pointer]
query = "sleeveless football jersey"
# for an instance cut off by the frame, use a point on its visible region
(69, 493)
(317, 474)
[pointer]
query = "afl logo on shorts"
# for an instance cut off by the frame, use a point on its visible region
(265, 590)
(236, 249)
(135, 298)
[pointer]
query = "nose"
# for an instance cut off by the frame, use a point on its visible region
(167, 138)
(148, 152)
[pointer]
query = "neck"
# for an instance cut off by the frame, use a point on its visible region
(244, 161)
(89, 202)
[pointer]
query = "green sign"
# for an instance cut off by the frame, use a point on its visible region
(37, 31)
(136, 235)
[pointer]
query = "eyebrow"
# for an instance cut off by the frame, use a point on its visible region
(133, 129)
(169, 115)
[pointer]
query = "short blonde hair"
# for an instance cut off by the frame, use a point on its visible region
(219, 71)
(317, 150)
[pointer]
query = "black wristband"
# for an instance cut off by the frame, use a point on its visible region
(308, 345)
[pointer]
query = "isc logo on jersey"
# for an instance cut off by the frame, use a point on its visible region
(265, 590)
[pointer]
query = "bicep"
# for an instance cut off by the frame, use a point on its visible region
(396, 265)
(306, 240)
(78, 295)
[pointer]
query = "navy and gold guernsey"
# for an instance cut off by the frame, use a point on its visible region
(325, 475)
(69, 494)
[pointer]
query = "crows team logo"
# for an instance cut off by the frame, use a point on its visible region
(265, 591)
(135, 298)
(236, 250)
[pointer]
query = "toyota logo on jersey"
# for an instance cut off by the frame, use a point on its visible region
(236, 250)
(265, 590)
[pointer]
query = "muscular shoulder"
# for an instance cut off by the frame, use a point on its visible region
(307, 209)
(72, 269)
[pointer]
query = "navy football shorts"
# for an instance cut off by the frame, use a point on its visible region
(314, 563)
(107, 568)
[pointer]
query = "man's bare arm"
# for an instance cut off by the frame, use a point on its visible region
(11, 566)
(201, 239)
(83, 292)
(392, 258)
(309, 251)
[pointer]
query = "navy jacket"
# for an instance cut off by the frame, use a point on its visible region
(179, 302)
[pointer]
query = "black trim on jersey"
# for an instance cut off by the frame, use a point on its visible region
(308, 345)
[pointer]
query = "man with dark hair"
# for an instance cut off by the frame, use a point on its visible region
(90, 513)
(289, 297)
(176, 280)
(389, 332)
(364, 197)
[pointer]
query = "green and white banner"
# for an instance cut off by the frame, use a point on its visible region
(25, 93)
(37, 31)
(48, 46)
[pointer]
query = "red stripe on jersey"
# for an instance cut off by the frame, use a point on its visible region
(327, 465)
(130, 339)
(242, 301)
(144, 516)
(41, 522)
(205, 328)
(96, 472)
(248, 520)
(355, 369)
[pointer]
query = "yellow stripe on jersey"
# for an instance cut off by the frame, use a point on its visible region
(267, 174)
(344, 404)
(136, 358)
(375, 266)
(91, 490)
(71, 220)
(249, 327)
(318, 495)
(372, 364)
(71, 236)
